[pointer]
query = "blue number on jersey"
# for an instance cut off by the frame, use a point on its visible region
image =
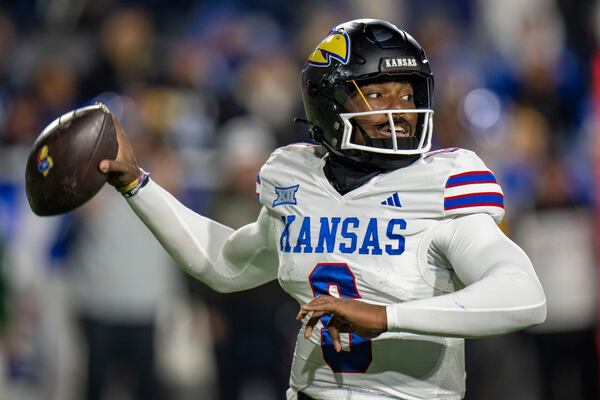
(359, 357)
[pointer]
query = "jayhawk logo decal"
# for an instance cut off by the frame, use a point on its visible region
(44, 161)
(335, 46)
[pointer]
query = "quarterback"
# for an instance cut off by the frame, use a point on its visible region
(392, 250)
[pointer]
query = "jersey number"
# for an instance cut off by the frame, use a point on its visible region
(326, 279)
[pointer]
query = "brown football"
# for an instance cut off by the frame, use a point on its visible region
(62, 167)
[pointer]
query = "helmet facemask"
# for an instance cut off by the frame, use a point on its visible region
(403, 126)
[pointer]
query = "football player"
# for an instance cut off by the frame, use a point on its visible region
(392, 251)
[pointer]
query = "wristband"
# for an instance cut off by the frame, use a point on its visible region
(127, 188)
(134, 187)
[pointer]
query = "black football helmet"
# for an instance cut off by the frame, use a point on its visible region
(358, 53)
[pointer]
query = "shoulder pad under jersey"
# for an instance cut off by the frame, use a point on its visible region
(286, 164)
(470, 186)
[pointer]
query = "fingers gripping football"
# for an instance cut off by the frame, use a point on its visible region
(124, 168)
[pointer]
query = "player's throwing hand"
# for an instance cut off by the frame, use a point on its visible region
(123, 169)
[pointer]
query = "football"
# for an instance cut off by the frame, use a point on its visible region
(62, 167)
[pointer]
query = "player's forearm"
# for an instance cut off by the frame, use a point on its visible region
(201, 246)
(502, 302)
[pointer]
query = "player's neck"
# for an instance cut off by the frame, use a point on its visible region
(346, 175)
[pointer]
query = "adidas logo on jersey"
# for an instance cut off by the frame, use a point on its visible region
(393, 201)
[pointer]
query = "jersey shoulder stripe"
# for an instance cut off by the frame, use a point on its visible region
(492, 199)
(258, 186)
(471, 187)
(470, 178)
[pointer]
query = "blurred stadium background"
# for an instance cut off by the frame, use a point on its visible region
(206, 90)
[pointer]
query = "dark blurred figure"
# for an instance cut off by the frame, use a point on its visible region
(559, 237)
(126, 47)
(3, 312)
(3, 293)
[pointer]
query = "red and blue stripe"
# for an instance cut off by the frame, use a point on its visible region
(470, 178)
(485, 199)
(258, 183)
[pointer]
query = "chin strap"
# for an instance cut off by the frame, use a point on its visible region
(366, 138)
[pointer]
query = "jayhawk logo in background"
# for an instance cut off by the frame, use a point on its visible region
(335, 46)
(44, 161)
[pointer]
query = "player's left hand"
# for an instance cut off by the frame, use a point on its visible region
(348, 316)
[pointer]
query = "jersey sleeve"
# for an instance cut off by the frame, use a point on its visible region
(224, 259)
(471, 187)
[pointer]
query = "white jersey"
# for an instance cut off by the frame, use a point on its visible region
(409, 239)
(372, 244)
